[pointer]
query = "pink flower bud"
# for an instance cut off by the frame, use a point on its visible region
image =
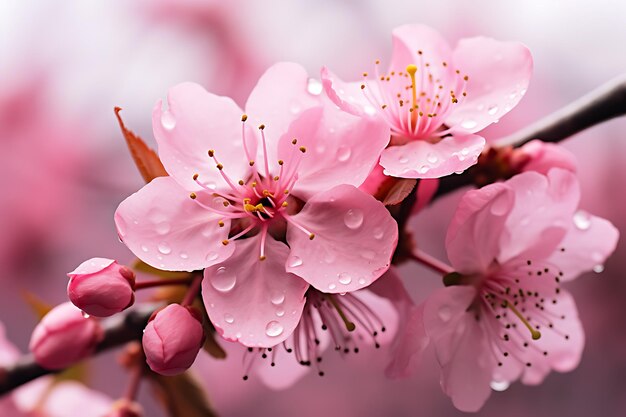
(543, 156)
(64, 337)
(101, 287)
(172, 339)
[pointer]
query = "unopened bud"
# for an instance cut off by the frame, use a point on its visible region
(172, 340)
(101, 287)
(64, 336)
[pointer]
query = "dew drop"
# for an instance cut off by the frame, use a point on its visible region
(362, 281)
(598, 268)
(85, 315)
(522, 92)
(211, 256)
(403, 159)
(423, 169)
(331, 286)
(369, 110)
(280, 313)
(228, 318)
(445, 314)
(343, 153)
(167, 120)
(353, 218)
(183, 255)
(223, 280)
(368, 254)
(162, 228)
(465, 151)
(277, 298)
(582, 220)
(499, 385)
(210, 185)
(513, 95)
(121, 226)
(378, 233)
(294, 261)
(469, 124)
(314, 87)
(432, 158)
(345, 278)
(273, 329)
(144, 248)
(492, 110)
(164, 248)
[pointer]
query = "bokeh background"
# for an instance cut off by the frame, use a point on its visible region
(64, 166)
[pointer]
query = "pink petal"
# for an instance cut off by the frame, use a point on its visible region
(587, 244)
(348, 96)
(477, 229)
(340, 148)
(544, 207)
(409, 39)
(286, 370)
(280, 95)
(165, 228)
(252, 301)
(195, 122)
(545, 156)
(461, 346)
(422, 159)
(354, 240)
(499, 73)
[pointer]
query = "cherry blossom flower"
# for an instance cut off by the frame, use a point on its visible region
(260, 223)
(435, 99)
(503, 315)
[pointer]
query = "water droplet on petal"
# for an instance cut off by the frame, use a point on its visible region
(513, 95)
(432, 158)
(522, 92)
(499, 385)
(228, 318)
(345, 278)
(162, 228)
(277, 298)
(403, 159)
(469, 124)
(164, 248)
(465, 151)
(314, 87)
(353, 218)
(423, 169)
(378, 233)
(223, 280)
(167, 120)
(362, 281)
(598, 268)
(492, 110)
(582, 220)
(273, 329)
(368, 254)
(184, 255)
(294, 261)
(144, 248)
(445, 314)
(343, 153)
(331, 286)
(211, 256)
(85, 315)
(280, 313)
(121, 226)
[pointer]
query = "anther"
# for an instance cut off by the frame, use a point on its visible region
(276, 178)
(211, 153)
(312, 236)
(195, 176)
(262, 258)
(219, 166)
(193, 196)
(280, 162)
(285, 204)
(240, 182)
(225, 242)
(244, 117)
(302, 149)
(251, 163)
(220, 223)
(294, 141)
(362, 86)
(261, 127)
(365, 74)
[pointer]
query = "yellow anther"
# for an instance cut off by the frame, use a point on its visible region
(246, 201)
(251, 163)
(261, 127)
(276, 178)
(312, 236)
(259, 207)
(365, 74)
(193, 196)
(262, 258)
(377, 61)
(220, 223)
(220, 166)
(285, 204)
(211, 153)
(225, 242)
(195, 177)
(226, 203)
(286, 191)
(253, 184)
(302, 149)
(266, 193)
(244, 117)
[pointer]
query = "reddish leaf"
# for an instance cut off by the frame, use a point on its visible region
(36, 304)
(393, 190)
(146, 159)
(182, 395)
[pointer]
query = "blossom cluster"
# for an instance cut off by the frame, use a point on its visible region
(282, 219)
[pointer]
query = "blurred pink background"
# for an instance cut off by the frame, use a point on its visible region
(64, 165)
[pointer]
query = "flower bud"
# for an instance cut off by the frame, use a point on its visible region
(543, 156)
(171, 340)
(64, 337)
(101, 287)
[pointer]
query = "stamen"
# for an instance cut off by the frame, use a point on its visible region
(535, 334)
(350, 326)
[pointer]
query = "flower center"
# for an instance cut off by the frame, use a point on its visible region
(255, 202)
(415, 100)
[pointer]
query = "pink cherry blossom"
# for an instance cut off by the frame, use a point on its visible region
(435, 99)
(272, 209)
(504, 315)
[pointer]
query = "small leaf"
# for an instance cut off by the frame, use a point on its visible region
(147, 161)
(37, 305)
(393, 190)
(181, 395)
(142, 267)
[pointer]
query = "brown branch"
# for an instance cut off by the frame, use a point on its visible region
(118, 330)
